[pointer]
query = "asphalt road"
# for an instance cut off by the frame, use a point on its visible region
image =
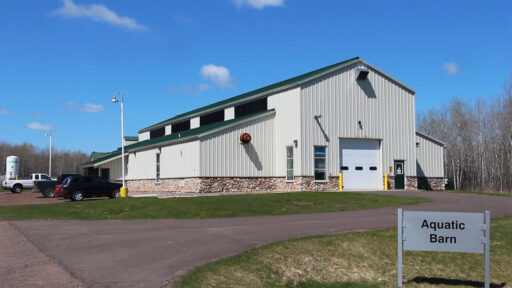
(154, 253)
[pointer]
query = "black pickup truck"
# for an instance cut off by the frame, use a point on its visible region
(48, 187)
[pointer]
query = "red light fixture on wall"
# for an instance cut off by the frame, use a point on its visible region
(245, 138)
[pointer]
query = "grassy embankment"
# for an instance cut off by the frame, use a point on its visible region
(206, 207)
(360, 259)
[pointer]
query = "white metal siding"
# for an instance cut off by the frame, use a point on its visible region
(286, 128)
(115, 168)
(144, 136)
(222, 155)
(176, 161)
(180, 160)
(385, 109)
(141, 165)
(430, 158)
(168, 129)
(229, 113)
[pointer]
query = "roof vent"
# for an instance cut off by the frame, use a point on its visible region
(362, 73)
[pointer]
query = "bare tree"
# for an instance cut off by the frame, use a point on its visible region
(478, 140)
(33, 159)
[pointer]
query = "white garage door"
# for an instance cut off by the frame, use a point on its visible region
(360, 164)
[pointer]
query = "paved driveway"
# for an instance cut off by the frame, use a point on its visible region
(153, 253)
(26, 198)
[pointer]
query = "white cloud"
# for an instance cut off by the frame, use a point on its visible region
(98, 13)
(88, 107)
(451, 68)
(5, 112)
(39, 126)
(92, 108)
(219, 75)
(259, 4)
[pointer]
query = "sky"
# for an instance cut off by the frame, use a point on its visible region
(61, 61)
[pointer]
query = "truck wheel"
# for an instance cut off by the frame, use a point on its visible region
(49, 193)
(77, 196)
(17, 188)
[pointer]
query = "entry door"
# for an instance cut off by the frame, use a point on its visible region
(360, 164)
(399, 174)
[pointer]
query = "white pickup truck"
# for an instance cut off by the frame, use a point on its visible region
(16, 186)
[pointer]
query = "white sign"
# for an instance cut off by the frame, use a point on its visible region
(443, 231)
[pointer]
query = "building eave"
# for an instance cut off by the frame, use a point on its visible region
(432, 139)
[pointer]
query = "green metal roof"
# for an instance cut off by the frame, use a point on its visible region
(96, 155)
(131, 138)
(178, 136)
(265, 89)
(104, 157)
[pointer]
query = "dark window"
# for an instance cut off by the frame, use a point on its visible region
(158, 167)
(319, 163)
(289, 163)
(359, 168)
(251, 107)
(157, 133)
(105, 173)
(180, 126)
(373, 168)
(344, 167)
(214, 117)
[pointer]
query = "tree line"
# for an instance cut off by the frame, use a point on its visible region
(478, 137)
(36, 160)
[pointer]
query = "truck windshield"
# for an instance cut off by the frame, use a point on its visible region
(45, 177)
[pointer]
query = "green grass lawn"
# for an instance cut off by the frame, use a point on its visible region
(360, 259)
(206, 207)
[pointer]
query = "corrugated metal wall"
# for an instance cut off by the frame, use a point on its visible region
(142, 165)
(176, 161)
(115, 168)
(286, 128)
(385, 109)
(222, 154)
(430, 158)
(180, 160)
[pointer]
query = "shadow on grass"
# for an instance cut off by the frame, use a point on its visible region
(453, 282)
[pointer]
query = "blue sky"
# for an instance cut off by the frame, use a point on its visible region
(62, 61)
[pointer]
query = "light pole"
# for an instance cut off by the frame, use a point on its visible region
(114, 100)
(50, 168)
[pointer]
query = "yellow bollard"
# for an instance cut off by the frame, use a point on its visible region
(124, 192)
(341, 182)
(385, 181)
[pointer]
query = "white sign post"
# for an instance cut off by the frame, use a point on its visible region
(445, 232)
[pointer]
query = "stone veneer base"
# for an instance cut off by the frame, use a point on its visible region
(231, 184)
(258, 184)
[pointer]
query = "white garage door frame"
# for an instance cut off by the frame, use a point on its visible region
(361, 153)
